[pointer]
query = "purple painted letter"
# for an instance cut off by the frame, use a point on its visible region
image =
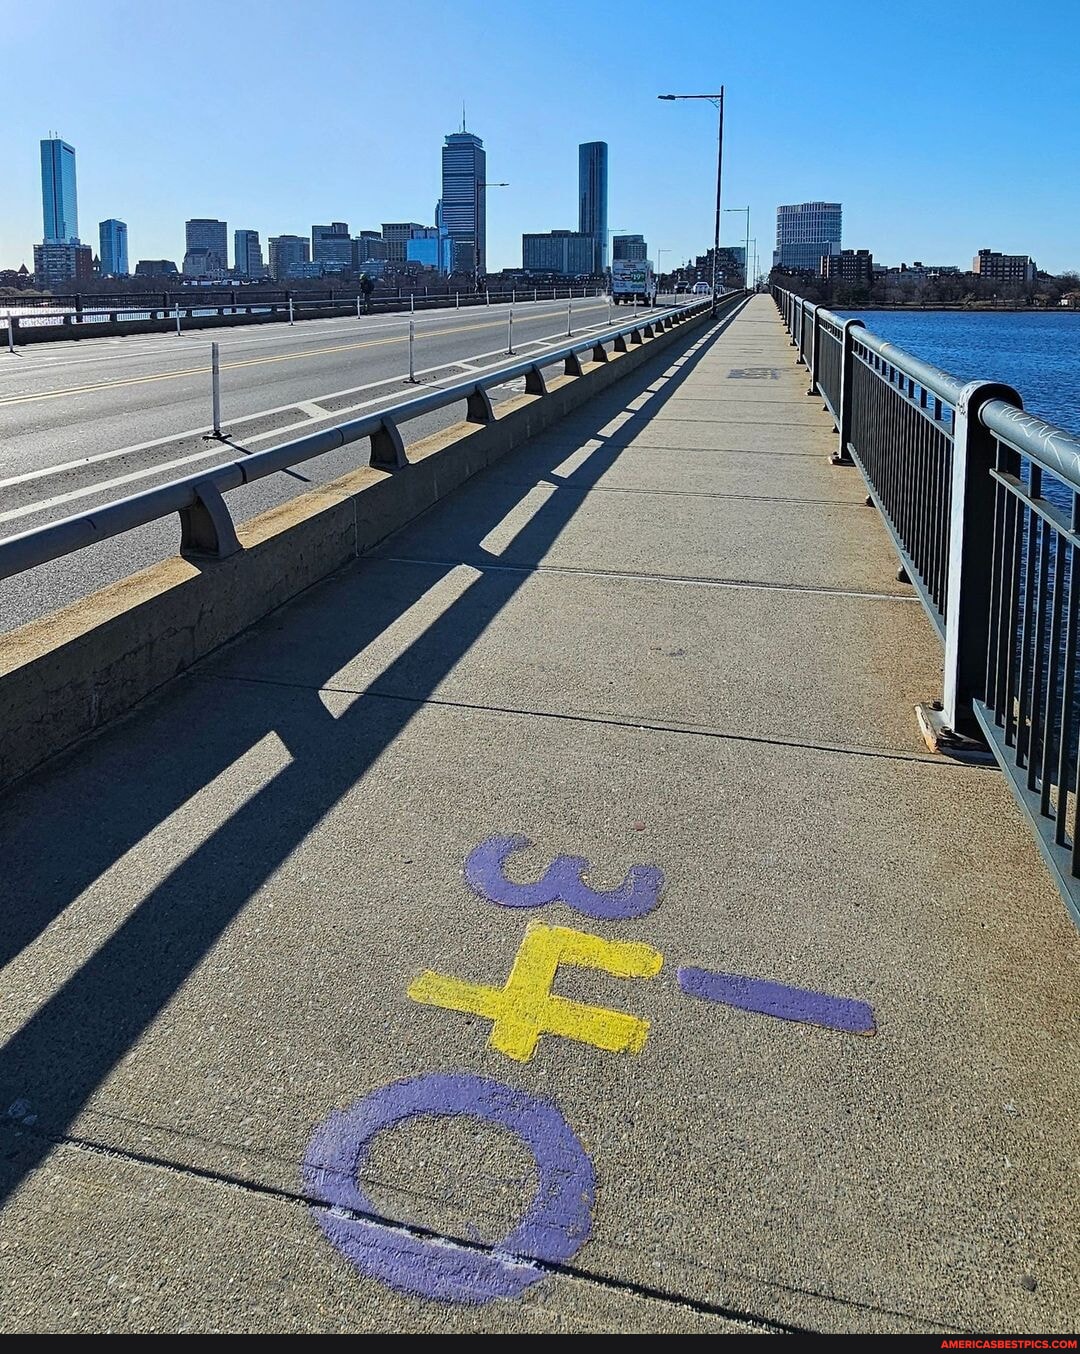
(777, 999)
(561, 882)
(555, 1226)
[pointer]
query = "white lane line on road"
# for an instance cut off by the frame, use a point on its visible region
(97, 386)
(236, 425)
(219, 449)
(234, 338)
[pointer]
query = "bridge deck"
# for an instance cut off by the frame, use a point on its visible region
(668, 634)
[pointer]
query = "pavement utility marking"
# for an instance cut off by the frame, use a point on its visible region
(559, 1219)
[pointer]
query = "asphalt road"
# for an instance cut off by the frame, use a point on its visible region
(83, 423)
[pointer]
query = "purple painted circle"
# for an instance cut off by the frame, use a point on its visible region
(556, 1224)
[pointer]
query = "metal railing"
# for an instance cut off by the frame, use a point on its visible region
(207, 530)
(73, 317)
(983, 505)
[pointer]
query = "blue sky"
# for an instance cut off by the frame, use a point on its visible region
(942, 128)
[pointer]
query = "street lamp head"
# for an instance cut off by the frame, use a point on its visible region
(667, 96)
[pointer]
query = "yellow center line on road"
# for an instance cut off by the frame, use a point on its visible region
(247, 362)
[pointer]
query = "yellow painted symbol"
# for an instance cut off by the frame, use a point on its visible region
(525, 1008)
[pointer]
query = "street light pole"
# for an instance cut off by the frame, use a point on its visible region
(717, 100)
(746, 256)
(659, 269)
(481, 206)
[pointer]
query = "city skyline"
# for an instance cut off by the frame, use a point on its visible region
(144, 158)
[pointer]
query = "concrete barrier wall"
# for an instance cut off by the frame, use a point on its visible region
(68, 674)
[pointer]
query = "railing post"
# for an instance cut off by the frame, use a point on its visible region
(290, 308)
(816, 340)
(510, 332)
(215, 388)
(847, 363)
(971, 544)
(178, 319)
(569, 330)
(412, 344)
(10, 332)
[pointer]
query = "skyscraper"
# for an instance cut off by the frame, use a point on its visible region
(247, 253)
(592, 198)
(805, 233)
(287, 252)
(331, 244)
(631, 247)
(207, 233)
(59, 203)
(112, 235)
(464, 208)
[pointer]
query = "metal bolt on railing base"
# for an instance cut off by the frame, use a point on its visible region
(940, 739)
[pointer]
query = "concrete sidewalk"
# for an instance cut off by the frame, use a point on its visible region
(668, 634)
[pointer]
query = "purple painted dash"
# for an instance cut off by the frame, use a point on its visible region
(777, 999)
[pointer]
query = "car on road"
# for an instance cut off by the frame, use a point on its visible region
(700, 289)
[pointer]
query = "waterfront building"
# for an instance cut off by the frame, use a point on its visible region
(397, 235)
(850, 265)
(568, 253)
(988, 263)
(424, 249)
(331, 244)
(463, 215)
(368, 247)
(112, 236)
(155, 268)
(203, 263)
(60, 262)
(632, 248)
(247, 254)
(316, 268)
(592, 200)
(59, 199)
(805, 232)
(285, 251)
(207, 233)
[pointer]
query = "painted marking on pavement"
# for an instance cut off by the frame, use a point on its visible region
(561, 882)
(555, 1226)
(779, 1000)
(232, 366)
(525, 1008)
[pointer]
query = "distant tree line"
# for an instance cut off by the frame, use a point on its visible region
(947, 289)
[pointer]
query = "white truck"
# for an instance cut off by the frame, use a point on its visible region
(633, 280)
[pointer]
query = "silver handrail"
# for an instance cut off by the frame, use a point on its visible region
(207, 527)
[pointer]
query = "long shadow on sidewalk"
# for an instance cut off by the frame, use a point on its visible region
(66, 828)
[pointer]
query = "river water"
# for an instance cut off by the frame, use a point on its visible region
(1037, 353)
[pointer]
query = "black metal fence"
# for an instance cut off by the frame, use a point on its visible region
(983, 505)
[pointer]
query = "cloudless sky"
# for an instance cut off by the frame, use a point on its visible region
(942, 127)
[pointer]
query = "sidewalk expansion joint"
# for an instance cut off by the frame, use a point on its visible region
(546, 483)
(683, 580)
(296, 1199)
(614, 721)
